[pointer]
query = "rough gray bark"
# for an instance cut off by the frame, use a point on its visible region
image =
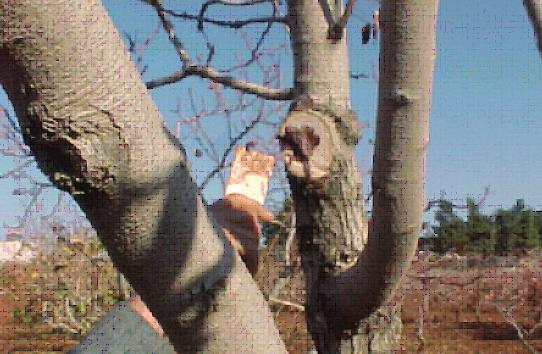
(534, 11)
(96, 133)
(348, 282)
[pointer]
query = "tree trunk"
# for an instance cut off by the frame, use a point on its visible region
(349, 282)
(96, 133)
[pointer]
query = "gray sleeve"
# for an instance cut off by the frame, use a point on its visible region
(121, 330)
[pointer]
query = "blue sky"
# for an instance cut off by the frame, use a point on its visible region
(487, 95)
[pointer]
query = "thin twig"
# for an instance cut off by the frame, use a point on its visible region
(254, 52)
(289, 240)
(235, 24)
(208, 3)
(206, 72)
(520, 331)
(359, 75)
(168, 27)
(16, 170)
(480, 201)
(287, 303)
(230, 147)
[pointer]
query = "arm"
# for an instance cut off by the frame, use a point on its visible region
(238, 216)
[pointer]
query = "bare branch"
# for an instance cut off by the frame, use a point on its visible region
(289, 240)
(232, 3)
(208, 3)
(208, 142)
(358, 75)
(287, 303)
(254, 52)
(207, 72)
(336, 32)
(138, 50)
(480, 201)
(534, 10)
(273, 18)
(228, 81)
(17, 170)
(235, 24)
(232, 144)
(168, 27)
(520, 331)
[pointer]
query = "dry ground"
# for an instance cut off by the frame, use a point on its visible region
(461, 317)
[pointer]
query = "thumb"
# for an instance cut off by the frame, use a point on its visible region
(264, 215)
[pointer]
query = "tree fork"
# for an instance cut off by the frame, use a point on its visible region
(348, 293)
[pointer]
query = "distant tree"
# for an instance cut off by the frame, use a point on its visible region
(506, 230)
(516, 229)
(480, 230)
(531, 226)
(450, 230)
(502, 226)
(538, 220)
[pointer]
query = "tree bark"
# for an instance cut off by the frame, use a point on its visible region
(349, 282)
(534, 11)
(96, 133)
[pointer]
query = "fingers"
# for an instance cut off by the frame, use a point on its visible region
(247, 249)
(139, 307)
(238, 215)
(264, 215)
(246, 205)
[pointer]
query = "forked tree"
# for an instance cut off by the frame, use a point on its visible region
(96, 133)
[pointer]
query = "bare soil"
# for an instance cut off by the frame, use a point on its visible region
(452, 323)
(17, 336)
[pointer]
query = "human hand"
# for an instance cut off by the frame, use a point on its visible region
(238, 216)
(138, 306)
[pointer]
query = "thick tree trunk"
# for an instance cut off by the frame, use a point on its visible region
(96, 133)
(349, 282)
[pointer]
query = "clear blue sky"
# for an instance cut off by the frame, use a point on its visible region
(487, 95)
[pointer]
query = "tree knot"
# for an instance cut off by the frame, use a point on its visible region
(345, 120)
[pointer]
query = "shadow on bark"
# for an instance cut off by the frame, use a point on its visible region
(109, 213)
(198, 296)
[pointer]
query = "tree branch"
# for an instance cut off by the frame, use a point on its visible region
(287, 303)
(534, 10)
(208, 3)
(520, 331)
(228, 81)
(398, 169)
(336, 31)
(206, 71)
(254, 52)
(230, 147)
(430, 204)
(235, 24)
(358, 75)
(170, 31)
